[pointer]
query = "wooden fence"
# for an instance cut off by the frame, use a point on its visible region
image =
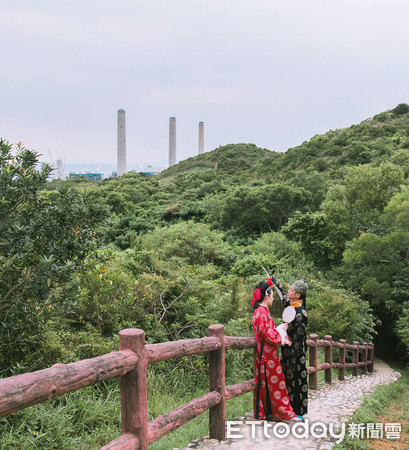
(130, 365)
(362, 356)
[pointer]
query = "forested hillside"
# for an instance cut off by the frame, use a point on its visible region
(173, 254)
(333, 210)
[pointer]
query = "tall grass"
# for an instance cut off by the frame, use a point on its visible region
(83, 419)
(180, 386)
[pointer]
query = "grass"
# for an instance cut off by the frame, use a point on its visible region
(199, 427)
(83, 419)
(388, 404)
(192, 385)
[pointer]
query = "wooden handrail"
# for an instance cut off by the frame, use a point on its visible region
(235, 390)
(183, 347)
(130, 365)
(232, 342)
(174, 419)
(28, 389)
(126, 441)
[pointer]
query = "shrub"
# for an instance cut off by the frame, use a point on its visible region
(192, 242)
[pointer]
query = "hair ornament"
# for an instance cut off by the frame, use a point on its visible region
(256, 297)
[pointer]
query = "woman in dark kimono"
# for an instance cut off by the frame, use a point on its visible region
(293, 357)
(271, 399)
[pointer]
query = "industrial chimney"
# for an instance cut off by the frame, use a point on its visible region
(121, 150)
(201, 137)
(59, 169)
(172, 141)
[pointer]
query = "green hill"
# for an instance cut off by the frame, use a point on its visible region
(227, 159)
(384, 137)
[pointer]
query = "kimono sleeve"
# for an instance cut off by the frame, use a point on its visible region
(267, 330)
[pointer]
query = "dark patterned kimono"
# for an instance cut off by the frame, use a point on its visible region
(294, 362)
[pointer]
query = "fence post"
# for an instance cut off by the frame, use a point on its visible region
(133, 388)
(355, 358)
(341, 360)
(313, 361)
(217, 414)
(328, 359)
(371, 357)
(365, 358)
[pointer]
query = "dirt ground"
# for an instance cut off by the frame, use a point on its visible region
(394, 415)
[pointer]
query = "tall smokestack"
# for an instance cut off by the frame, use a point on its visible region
(121, 149)
(59, 168)
(201, 137)
(172, 141)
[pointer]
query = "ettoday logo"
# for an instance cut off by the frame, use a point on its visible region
(317, 430)
(281, 430)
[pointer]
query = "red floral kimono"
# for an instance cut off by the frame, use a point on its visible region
(273, 396)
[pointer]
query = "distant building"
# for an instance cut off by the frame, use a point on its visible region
(201, 138)
(59, 173)
(172, 141)
(89, 175)
(121, 145)
(150, 170)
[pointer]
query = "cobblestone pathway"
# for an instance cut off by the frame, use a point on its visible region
(329, 404)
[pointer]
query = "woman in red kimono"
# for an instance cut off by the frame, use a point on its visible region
(270, 397)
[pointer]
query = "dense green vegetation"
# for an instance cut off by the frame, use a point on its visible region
(172, 254)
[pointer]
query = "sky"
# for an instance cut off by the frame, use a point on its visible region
(269, 72)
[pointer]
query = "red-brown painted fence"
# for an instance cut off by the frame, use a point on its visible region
(130, 365)
(362, 356)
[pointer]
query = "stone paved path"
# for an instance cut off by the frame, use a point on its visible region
(329, 404)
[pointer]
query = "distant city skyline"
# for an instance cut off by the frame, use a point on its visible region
(106, 167)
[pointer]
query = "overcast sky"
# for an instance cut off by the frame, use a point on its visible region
(269, 72)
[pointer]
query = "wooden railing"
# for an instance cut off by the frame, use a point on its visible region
(130, 365)
(362, 356)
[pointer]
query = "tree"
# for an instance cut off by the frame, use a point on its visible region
(396, 213)
(377, 268)
(195, 243)
(312, 233)
(340, 222)
(42, 244)
(369, 189)
(339, 313)
(255, 208)
(402, 325)
(401, 109)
